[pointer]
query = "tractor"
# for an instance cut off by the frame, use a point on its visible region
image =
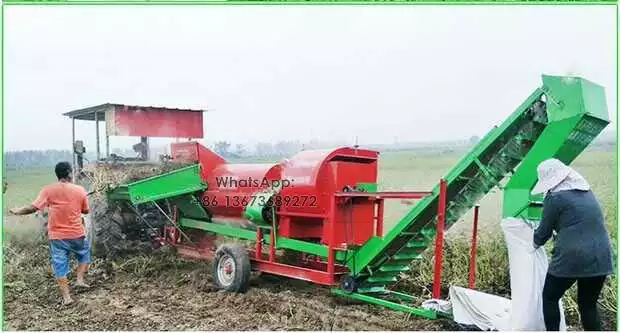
(114, 227)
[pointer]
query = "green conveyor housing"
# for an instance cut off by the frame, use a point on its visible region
(557, 120)
(170, 185)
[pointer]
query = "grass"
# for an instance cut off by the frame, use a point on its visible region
(406, 171)
(24, 185)
(399, 171)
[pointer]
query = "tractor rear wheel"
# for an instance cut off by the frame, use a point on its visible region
(114, 228)
(104, 227)
(231, 268)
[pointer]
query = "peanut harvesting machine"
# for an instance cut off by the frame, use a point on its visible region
(324, 206)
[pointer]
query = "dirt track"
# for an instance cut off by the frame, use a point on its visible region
(165, 293)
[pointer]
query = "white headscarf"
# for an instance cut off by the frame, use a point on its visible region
(554, 176)
(574, 181)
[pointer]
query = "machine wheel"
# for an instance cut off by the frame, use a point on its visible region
(231, 268)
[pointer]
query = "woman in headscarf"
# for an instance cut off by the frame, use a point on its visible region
(582, 250)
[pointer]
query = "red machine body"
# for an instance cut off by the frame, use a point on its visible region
(316, 176)
(233, 186)
(192, 151)
(230, 187)
(306, 201)
(326, 197)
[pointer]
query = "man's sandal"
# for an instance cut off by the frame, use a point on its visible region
(65, 303)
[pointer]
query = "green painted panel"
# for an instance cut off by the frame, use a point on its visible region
(254, 210)
(517, 190)
(220, 229)
(281, 243)
(168, 185)
(119, 193)
(577, 113)
(388, 304)
(191, 207)
(368, 187)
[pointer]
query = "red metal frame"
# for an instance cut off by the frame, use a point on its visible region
(302, 215)
(379, 219)
(441, 221)
(331, 254)
(378, 198)
(329, 275)
(321, 272)
(272, 248)
(194, 252)
(259, 243)
(296, 272)
(474, 248)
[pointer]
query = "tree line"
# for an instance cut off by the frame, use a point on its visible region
(45, 158)
(28, 159)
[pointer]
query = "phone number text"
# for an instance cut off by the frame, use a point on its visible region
(250, 200)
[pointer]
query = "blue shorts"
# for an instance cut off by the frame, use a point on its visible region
(61, 250)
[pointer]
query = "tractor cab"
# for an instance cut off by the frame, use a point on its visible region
(141, 122)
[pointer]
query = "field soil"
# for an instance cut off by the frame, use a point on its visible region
(163, 292)
(160, 291)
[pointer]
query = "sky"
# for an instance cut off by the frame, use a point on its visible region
(382, 74)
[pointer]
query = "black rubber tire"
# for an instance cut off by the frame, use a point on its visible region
(104, 227)
(240, 280)
(114, 230)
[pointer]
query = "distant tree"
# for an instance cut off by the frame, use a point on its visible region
(240, 149)
(286, 148)
(474, 139)
(264, 149)
(35, 159)
(221, 147)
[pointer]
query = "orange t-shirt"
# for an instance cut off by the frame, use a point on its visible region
(65, 203)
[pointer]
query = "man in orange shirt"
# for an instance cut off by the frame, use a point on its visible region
(66, 202)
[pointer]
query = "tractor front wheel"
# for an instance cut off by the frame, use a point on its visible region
(231, 268)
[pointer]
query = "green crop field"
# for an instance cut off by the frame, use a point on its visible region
(406, 171)
(403, 170)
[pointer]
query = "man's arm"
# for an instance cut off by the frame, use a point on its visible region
(26, 210)
(85, 206)
(38, 204)
(549, 216)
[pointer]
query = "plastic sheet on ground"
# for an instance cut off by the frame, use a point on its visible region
(438, 305)
(486, 311)
(528, 267)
